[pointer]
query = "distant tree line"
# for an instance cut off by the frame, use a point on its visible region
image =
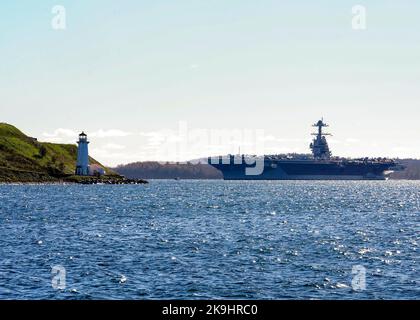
(412, 171)
(156, 170)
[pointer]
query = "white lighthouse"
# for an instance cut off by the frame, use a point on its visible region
(82, 166)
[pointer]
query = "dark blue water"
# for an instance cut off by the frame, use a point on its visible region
(211, 239)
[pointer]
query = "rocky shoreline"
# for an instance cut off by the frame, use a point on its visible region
(120, 181)
(87, 180)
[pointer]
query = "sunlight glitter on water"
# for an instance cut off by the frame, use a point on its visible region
(211, 239)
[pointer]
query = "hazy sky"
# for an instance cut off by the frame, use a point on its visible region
(128, 72)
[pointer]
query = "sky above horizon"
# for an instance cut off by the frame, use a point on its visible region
(183, 79)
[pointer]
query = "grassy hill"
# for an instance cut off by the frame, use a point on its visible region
(24, 159)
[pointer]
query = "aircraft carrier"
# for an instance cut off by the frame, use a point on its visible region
(320, 165)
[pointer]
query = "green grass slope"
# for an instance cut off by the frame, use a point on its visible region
(24, 159)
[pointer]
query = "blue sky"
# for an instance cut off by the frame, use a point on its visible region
(128, 72)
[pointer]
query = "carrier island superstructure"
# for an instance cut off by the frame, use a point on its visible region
(320, 165)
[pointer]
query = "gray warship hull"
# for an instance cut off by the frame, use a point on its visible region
(309, 170)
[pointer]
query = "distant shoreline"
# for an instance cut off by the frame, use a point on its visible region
(202, 171)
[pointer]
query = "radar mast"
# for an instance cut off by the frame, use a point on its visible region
(319, 145)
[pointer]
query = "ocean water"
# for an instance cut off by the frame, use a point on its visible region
(211, 240)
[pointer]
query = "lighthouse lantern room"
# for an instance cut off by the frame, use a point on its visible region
(82, 166)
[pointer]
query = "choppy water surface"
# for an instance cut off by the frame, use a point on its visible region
(211, 239)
